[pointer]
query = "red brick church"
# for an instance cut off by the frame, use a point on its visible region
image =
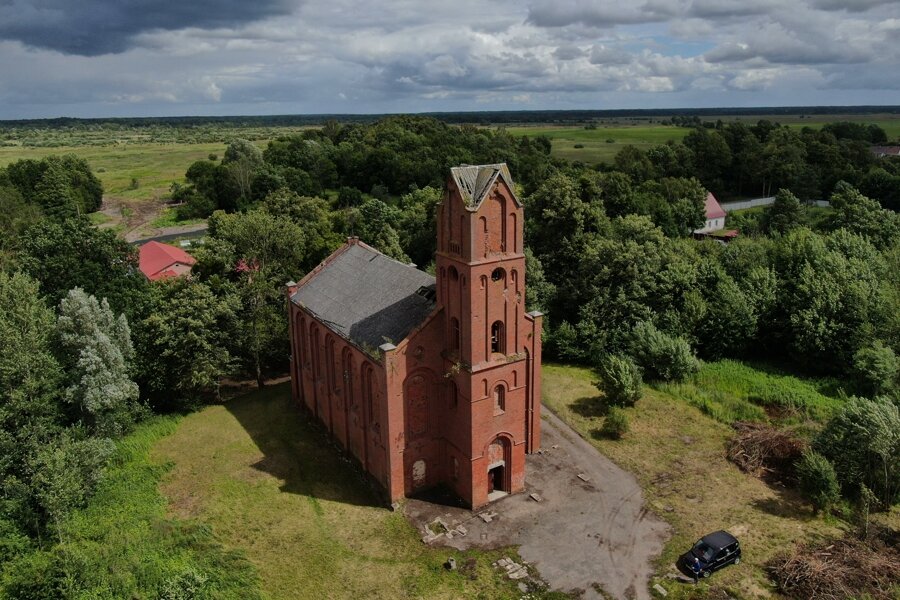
(428, 380)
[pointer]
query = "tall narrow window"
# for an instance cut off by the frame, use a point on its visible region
(497, 341)
(454, 334)
(453, 393)
(499, 398)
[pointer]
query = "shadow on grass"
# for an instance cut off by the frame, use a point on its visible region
(787, 504)
(590, 406)
(298, 450)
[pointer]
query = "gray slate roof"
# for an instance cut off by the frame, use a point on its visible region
(475, 181)
(367, 297)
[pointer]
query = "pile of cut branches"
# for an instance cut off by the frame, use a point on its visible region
(761, 449)
(839, 569)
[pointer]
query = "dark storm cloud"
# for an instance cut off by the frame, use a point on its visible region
(96, 27)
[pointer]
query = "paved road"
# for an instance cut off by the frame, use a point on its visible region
(583, 532)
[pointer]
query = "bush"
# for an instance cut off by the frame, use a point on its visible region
(620, 381)
(349, 196)
(875, 369)
(579, 146)
(615, 425)
(662, 356)
(817, 479)
(862, 441)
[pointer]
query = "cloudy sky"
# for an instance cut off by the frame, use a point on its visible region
(95, 58)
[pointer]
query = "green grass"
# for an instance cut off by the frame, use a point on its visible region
(729, 391)
(124, 545)
(155, 166)
(596, 148)
(267, 480)
(98, 218)
(677, 454)
(169, 218)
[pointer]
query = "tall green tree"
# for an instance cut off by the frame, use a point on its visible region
(96, 352)
(258, 252)
(186, 342)
(73, 254)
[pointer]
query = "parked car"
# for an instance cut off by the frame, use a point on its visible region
(713, 551)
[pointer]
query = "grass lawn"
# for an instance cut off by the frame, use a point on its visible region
(678, 454)
(268, 483)
(595, 143)
(155, 166)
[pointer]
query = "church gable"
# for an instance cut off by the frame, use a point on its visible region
(475, 183)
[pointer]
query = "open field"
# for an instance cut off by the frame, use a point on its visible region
(678, 455)
(155, 166)
(647, 132)
(268, 483)
(602, 144)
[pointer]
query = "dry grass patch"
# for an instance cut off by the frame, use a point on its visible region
(267, 481)
(678, 455)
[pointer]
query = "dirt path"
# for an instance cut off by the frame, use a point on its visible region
(583, 535)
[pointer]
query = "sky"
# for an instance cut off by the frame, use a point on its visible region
(113, 58)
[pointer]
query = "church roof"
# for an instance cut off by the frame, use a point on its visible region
(475, 181)
(367, 297)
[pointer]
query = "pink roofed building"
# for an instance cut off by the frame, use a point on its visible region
(715, 215)
(159, 261)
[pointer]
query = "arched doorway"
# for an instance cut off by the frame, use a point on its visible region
(498, 468)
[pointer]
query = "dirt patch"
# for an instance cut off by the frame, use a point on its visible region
(583, 536)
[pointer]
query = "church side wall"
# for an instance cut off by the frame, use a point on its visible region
(345, 389)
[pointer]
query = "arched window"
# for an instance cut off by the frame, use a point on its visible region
(454, 333)
(497, 338)
(499, 398)
(497, 274)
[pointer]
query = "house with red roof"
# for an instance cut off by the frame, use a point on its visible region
(159, 261)
(715, 215)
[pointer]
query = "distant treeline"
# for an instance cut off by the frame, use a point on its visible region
(477, 117)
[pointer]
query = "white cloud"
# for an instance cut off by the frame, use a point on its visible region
(409, 55)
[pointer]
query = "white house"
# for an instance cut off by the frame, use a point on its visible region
(715, 216)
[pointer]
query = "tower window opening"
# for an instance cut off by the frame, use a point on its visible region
(454, 333)
(499, 398)
(497, 344)
(497, 274)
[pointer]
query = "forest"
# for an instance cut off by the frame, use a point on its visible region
(91, 347)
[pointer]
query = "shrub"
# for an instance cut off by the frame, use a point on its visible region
(349, 196)
(662, 356)
(579, 145)
(620, 381)
(862, 441)
(875, 368)
(818, 481)
(615, 425)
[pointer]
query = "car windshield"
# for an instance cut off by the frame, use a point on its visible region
(703, 551)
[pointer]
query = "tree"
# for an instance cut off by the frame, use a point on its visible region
(417, 227)
(186, 342)
(784, 214)
(242, 160)
(313, 217)
(876, 369)
(375, 223)
(95, 350)
(661, 356)
(620, 381)
(30, 414)
(259, 253)
(66, 472)
(63, 256)
(862, 441)
(818, 481)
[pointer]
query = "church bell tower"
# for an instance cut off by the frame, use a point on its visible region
(491, 346)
